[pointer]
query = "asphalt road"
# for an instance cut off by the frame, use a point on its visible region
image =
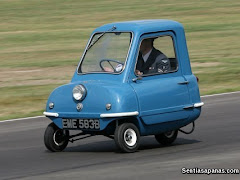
(215, 143)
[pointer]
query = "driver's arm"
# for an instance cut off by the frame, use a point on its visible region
(107, 69)
(139, 73)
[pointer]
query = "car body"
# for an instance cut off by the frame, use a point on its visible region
(155, 104)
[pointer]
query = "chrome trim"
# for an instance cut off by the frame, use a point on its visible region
(195, 105)
(51, 105)
(198, 104)
(108, 106)
(135, 113)
(188, 107)
(83, 92)
(84, 53)
(184, 82)
(51, 114)
(79, 106)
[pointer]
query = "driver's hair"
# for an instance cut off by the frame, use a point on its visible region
(150, 40)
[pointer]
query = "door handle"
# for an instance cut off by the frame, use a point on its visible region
(184, 82)
(137, 78)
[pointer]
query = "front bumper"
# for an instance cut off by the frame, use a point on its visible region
(104, 119)
(51, 114)
(104, 115)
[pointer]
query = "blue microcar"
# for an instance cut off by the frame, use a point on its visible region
(134, 79)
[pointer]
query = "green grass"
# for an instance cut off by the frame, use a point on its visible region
(46, 39)
(22, 101)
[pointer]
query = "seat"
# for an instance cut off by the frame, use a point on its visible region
(173, 63)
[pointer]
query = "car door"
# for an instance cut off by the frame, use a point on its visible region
(162, 96)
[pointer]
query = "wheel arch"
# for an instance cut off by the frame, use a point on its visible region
(110, 128)
(133, 120)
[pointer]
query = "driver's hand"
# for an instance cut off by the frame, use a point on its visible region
(139, 73)
(107, 69)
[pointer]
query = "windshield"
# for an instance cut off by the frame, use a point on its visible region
(106, 54)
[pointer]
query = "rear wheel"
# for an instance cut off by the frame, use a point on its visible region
(167, 138)
(55, 139)
(127, 137)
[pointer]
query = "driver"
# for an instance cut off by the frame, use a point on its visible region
(151, 60)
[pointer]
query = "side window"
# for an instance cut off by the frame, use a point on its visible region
(156, 56)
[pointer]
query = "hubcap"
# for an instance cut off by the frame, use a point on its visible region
(130, 137)
(169, 134)
(58, 137)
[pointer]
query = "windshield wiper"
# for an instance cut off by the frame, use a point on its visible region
(99, 37)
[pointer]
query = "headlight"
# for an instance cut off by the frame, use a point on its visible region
(79, 92)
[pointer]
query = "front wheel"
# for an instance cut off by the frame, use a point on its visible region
(167, 138)
(127, 137)
(55, 139)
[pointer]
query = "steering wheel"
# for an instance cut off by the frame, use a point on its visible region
(110, 60)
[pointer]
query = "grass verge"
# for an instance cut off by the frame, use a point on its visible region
(42, 41)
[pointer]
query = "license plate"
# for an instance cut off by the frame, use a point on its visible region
(81, 124)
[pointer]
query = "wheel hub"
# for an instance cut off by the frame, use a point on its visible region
(169, 134)
(59, 137)
(130, 137)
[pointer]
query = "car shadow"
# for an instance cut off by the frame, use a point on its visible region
(101, 146)
(109, 145)
(151, 143)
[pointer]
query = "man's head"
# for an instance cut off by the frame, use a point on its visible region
(146, 45)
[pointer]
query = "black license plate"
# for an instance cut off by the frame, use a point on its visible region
(81, 124)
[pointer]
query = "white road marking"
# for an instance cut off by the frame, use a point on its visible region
(26, 71)
(22, 71)
(19, 119)
(221, 94)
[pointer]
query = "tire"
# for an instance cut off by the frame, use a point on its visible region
(55, 139)
(167, 138)
(127, 137)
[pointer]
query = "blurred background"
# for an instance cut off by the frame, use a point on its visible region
(42, 42)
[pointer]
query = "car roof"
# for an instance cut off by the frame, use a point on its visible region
(142, 26)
